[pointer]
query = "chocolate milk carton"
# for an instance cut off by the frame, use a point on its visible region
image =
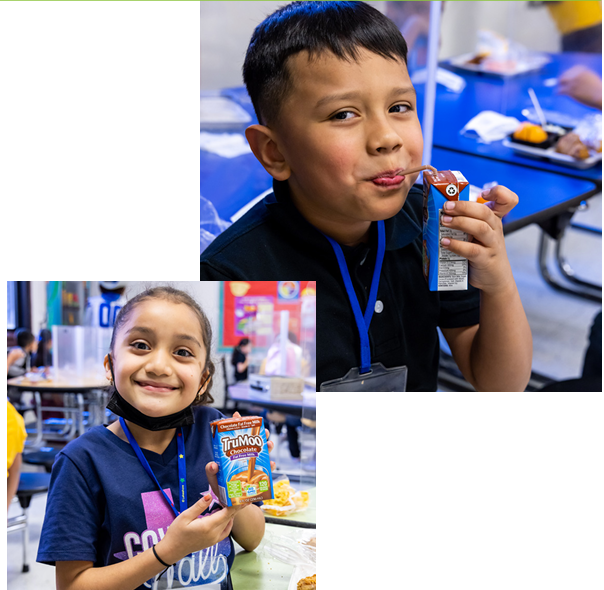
(443, 270)
(244, 468)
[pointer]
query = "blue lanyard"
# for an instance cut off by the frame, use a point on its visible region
(182, 467)
(363, 321)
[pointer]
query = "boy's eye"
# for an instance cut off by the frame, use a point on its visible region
(183, 352)
(400, 108)
(342, 115)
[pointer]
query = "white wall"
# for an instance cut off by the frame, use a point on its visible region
(226, 28)
(532, 27)
(39, 315)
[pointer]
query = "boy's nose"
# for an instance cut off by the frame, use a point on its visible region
(383, 138)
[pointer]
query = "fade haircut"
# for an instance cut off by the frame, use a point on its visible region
(316, 27)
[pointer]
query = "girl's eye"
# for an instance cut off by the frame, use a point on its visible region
(140, 346)
(182, 350)
(341, 116)
(400, 108)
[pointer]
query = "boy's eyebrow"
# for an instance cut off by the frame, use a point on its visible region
(354, 94)
(152, 333)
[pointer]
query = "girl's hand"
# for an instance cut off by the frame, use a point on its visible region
(489, 266)
(189, 533)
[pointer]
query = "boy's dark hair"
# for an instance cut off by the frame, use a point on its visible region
(24, 337)
(339, 27)
(174, 296)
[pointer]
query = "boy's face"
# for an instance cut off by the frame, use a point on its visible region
(343, 124)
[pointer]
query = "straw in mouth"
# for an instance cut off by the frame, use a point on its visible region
(419, 169)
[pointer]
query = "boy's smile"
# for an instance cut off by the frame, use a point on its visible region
(345, 132)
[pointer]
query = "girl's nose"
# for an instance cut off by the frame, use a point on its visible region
(159, 363)
(382, 137)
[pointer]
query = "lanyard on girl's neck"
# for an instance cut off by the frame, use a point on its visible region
(182, 467)
(363, 321)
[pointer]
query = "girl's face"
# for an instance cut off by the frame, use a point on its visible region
(158, 357)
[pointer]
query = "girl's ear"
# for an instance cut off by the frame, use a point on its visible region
(107, 368)
(205, 379)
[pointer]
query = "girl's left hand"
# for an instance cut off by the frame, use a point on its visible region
(212, 466)
(489, 266)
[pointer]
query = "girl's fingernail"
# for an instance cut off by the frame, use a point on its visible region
(485, 192)
(447, 219)
(450, 205)
(445, 241)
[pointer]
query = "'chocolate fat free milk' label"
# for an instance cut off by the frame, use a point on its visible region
(241, 451)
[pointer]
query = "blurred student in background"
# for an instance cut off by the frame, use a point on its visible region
(241, 359)
(15, 443)
(43, 357)
(18, 361)
(579, 24)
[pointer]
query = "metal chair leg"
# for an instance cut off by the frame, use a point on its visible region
(547, 277)
(25, 568)
(568, 272)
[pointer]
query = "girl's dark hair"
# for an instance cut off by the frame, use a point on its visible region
(24, 337)
(339, 27)
(242, 342)
(174, 296)
(43, 355)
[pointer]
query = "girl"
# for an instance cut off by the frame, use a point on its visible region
(115, 490)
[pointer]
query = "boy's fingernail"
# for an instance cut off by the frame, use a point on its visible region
(450, 205)
(445, 241)
(485, 192)
(447, 219)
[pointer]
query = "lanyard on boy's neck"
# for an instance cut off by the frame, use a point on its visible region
(363, 321)
(182, 467)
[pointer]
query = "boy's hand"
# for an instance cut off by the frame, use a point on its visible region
(489, 266)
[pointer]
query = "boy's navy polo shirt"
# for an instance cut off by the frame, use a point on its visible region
(274, 242)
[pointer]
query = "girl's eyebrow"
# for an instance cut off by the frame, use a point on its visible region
(149, 331)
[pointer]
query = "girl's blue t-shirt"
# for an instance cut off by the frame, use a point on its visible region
(103, 506)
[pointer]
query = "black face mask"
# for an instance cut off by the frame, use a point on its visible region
(119, 406)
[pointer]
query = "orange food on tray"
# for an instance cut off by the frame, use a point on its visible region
(530, 132)
(309, 583)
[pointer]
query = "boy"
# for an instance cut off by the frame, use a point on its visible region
(18, 360)
(338, 121)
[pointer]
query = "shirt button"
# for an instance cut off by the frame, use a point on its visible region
(379, 307)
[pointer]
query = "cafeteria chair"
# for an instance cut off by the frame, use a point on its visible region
(30, 484)
(44, 457)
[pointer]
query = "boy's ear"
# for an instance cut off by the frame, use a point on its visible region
(263, 143)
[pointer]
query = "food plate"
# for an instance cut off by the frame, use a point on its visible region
(551, 154)
(502, 69)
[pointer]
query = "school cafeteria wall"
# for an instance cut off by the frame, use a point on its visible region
(531, 27)
(39, 313)
(226, 29)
